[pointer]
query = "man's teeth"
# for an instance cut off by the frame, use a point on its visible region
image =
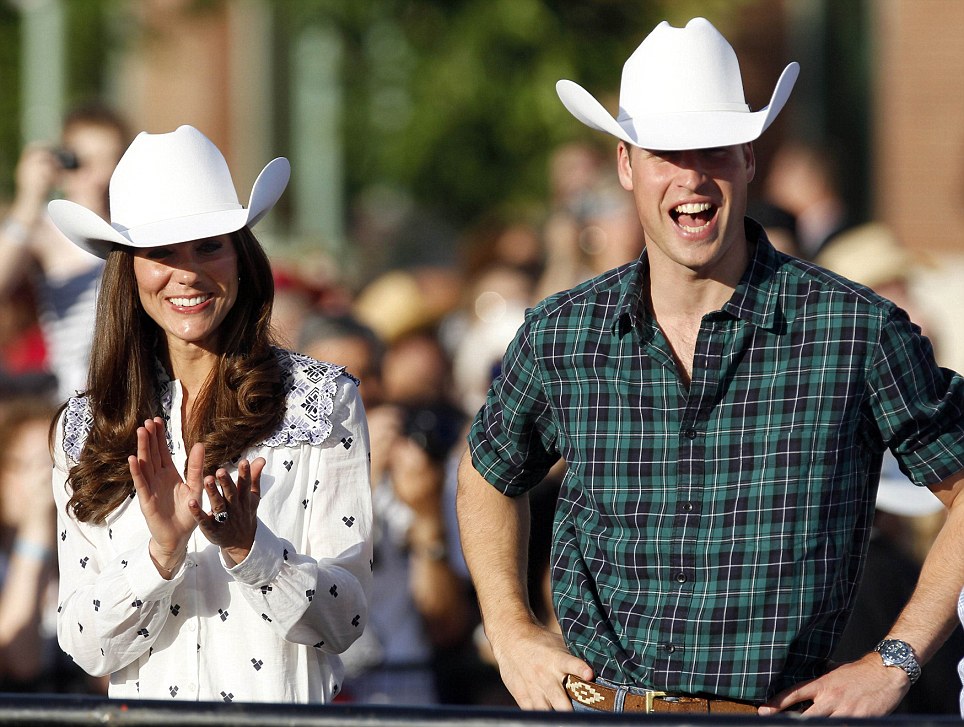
(188, 302)
(693, 208)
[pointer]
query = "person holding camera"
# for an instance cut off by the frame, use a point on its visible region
(421, 607)
(93, 139)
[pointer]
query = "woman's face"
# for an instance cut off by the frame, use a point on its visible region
(188, 288)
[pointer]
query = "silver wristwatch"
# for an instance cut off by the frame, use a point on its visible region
(895, 652)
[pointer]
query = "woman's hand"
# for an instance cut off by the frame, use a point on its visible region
(234, 517)
(163, 496)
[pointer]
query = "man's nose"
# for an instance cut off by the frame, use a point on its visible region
(692, 166)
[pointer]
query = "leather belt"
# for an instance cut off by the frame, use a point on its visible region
(601, 697)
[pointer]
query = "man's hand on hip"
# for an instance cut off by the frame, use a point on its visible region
(533, 662)
(863, 688)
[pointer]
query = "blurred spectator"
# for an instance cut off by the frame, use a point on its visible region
(23, 355)
(80, 168)
(348, 342)
(399, 302)
(27, 533)
(419, 603)
(780, 225)
(496, 301)
(305, 281)
(804, 180)
(573, 172)
(498, 242)
(870, 254)
(596, 230)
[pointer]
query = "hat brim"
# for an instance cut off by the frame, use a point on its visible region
(676, 131)
(92, 233)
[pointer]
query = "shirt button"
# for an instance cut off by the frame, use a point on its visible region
(687, 506)
(191, 627)
(669, 648)
(690, 433)
(681, 578)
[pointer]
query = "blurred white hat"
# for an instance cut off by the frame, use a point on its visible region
(899, 496)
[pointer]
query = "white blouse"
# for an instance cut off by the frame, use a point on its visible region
(265, 630)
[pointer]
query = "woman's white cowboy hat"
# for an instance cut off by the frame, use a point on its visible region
(680, 89)
(170, 188)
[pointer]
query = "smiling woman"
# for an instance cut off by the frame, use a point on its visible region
(188, 288)
(249, 463)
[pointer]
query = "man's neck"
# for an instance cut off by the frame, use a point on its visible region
(680, 293)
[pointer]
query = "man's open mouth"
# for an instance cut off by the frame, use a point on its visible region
(693, 216)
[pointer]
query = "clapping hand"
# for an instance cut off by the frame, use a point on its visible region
(233, 520)
(163, 495)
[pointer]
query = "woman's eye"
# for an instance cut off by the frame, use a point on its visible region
(157, 253)
(209, 247)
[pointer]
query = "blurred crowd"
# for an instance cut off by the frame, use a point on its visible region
(425, 336)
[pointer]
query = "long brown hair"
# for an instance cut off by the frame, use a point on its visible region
(238, 405)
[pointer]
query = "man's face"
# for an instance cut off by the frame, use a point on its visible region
(690, 203)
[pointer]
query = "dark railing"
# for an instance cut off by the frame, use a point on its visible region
(61, 711)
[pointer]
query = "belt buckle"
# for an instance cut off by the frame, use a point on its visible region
(650, 696)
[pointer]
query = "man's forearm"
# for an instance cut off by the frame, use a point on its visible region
(495, 533)
(930, 615)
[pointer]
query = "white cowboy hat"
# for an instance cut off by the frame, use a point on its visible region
(680, 89)
(170, 188)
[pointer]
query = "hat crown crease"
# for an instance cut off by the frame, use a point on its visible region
(170, 176)
(681, 70)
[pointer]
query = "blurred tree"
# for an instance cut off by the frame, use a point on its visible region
(90, 40)
(454, 100)
(9, 96)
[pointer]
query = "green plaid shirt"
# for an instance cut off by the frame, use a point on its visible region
(709, 539)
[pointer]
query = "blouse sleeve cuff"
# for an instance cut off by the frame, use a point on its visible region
(264, 560)
(144, 579)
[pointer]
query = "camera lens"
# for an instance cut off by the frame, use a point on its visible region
(67, 159)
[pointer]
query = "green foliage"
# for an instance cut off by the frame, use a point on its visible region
(89, 42)
(454, 100)
(9, 97)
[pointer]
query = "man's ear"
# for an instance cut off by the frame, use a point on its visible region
(750, 157)
(624, 165)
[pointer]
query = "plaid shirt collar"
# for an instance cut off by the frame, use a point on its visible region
(754, 300)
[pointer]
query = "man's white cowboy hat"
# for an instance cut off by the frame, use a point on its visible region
(170, 188)
(681, 89)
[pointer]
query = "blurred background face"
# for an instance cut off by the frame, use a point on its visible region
(27, 464)
(356, 355)
(97, 150)
(415, 371)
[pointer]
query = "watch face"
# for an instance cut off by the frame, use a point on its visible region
(895, 651)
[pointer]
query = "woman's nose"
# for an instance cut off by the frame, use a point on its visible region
(185, 273)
